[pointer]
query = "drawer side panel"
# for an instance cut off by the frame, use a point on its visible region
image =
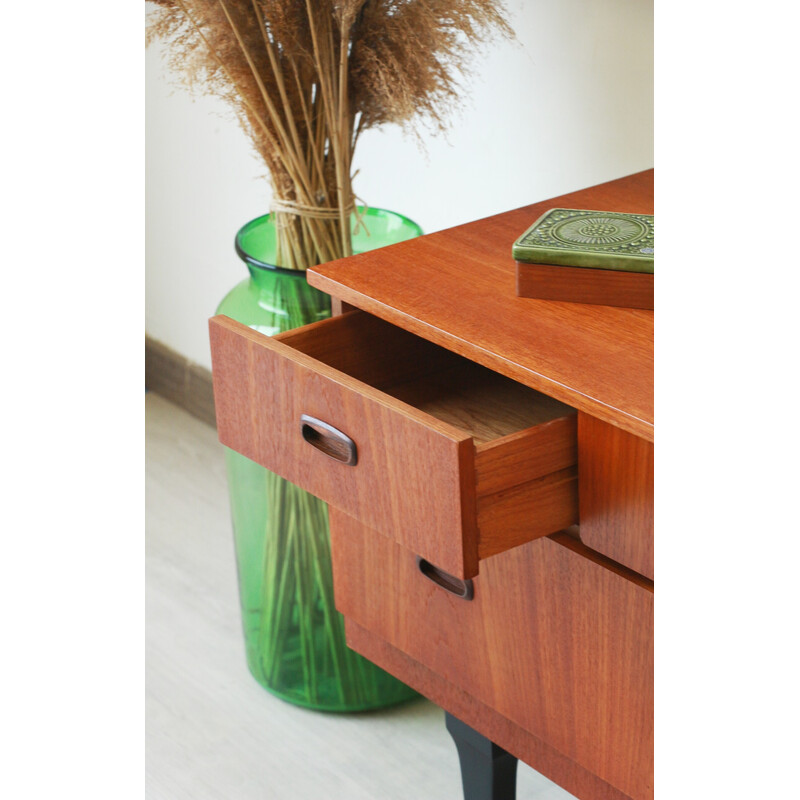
(526, 512)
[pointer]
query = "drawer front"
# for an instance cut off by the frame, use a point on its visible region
(616, 494)
(555, 639)
(414, 477)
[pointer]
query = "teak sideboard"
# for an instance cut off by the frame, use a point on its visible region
(488, 462)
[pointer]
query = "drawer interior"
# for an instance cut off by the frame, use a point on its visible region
(486, 405)
(442, 384)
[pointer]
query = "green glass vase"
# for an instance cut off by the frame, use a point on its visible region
(294, 637)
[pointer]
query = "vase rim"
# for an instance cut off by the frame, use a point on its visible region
(254, 262)
(264, 265)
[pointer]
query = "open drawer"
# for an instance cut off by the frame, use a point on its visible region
(446, 457)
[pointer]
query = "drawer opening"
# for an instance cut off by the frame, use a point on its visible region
(442, 384)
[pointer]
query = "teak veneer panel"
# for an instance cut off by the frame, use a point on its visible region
(458, 288)
(603, 287)
(526, 455)
(526, 512)
(511, 737)
(367, 349)
(556, 639)
(615, 472)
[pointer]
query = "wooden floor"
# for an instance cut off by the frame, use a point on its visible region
(212, 733)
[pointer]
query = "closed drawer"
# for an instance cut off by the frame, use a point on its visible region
(616, 498)
(555, 638)
(446, 457)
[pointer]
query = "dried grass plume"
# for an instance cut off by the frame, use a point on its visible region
(306, 78)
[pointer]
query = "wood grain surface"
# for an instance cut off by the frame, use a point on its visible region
(585, 285)
(368, 349)
(458, 288)
(525, 512)
(527, 455)
(530, 749)
(616, 475)
(557, 640)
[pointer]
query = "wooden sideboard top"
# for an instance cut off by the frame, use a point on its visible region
(457, 288)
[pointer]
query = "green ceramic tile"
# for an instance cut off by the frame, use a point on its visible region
(578, 238)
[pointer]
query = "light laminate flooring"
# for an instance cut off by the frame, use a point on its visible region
(212, 733)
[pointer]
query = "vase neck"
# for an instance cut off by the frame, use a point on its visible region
(267, 277)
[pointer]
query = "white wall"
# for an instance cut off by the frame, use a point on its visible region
(567, 106)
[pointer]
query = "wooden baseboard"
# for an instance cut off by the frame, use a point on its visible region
(179, 380)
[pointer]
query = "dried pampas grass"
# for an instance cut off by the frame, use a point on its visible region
(307, 78)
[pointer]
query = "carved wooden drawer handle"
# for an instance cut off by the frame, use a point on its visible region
(457, 586)
(328, 440)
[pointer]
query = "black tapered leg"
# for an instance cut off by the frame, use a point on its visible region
(487, 771)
